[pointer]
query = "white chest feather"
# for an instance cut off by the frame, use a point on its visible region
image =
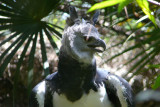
(40, 94)
(93, 99)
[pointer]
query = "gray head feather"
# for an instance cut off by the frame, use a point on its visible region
(81, 39)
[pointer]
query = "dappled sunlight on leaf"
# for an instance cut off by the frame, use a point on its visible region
(145, 7)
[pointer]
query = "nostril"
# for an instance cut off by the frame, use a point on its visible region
(88, 39)
(85, 38)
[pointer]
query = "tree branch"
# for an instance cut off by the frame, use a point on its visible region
(154, 2)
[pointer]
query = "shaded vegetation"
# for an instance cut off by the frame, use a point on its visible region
(30, 32)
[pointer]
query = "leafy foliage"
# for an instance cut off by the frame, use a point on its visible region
(145, 7)
(104, 4)
(22, 21)
(130, 30)
(122, 3)
(147, 41)
(157, 83)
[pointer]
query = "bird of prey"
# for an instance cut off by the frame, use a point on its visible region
(78, 81)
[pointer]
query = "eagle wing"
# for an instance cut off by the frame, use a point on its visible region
(118, 89)
(41, 95)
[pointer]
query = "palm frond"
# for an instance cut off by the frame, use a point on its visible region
(21, 24)
(52, 42)
(31, 63)
(7, 50)
(17, 73)
(44, 56)
(22, 19)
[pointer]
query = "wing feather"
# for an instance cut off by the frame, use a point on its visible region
(118, 89)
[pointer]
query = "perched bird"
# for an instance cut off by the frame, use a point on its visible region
(78, 82)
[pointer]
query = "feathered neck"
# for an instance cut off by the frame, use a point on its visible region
(76, 78)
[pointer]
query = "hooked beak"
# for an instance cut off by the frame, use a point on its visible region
(98, 45)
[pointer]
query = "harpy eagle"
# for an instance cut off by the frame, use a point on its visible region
(78, 82)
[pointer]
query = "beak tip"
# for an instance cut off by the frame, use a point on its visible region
(98, 46)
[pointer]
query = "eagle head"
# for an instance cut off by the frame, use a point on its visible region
(81, 38)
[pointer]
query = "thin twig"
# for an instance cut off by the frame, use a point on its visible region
(126, 12)
(154, 2)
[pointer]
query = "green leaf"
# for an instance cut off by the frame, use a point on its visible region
(145, 7)
(31, 64)
(17, 73)
(157, 83)
(5, 8)
(143, 63)
(9, 57)
(21, 59)
(104, 4)
(4, 27)
(154, 66)
(54, 31)
(55, 26)
(9, 38)
(142, 18)
(9, 3)
(10, 47)
(44, 56)
(52, 42)
(123, 4)
(155, 37)
(124, 51)
(4, 33)
(141, 53)
(19, 17)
